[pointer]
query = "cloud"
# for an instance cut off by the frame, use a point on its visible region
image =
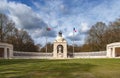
(3, 6)
(74, 36)
(84, 28)
(25, 18)
(43, 33)
(61, 15)
(106, 11)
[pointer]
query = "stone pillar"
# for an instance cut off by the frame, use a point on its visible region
(65, 51)
(5, 53)
(55, 51)
(113, 52)
(108, 52)
(10, 53)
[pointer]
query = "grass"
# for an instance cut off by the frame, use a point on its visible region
(72, 68)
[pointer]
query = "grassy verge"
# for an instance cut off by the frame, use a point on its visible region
(72, 68)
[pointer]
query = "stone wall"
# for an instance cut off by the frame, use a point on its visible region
(99, 54)
(36, 55)
(31, 55)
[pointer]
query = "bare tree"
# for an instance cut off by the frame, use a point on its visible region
(100, 35)
(95, 36)
(113, 32)
(23, 41)
(20, 39)
(6, 27)
(49, 46)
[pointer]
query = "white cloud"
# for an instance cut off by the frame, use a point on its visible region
(106, 11)
(84, 27)
(3, 5)
(58, 15)
(70, 34)
(25, 18)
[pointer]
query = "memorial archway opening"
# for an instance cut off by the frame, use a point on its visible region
(60, 49)
(1, 52)
(117, 52)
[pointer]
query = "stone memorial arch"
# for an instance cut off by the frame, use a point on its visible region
(60, 47)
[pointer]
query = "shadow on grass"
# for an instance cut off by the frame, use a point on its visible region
(19, 61)
(69, 67)
(22, 61)
(62, 70)
(45, 68)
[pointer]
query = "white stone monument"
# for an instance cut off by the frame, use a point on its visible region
(113, 49)
(60, 47)
(6, 50)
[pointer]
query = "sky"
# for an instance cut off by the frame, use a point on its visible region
(35, 16)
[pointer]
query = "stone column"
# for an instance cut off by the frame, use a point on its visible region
(10, 53)
(55, 51)
(65, 50)
(5, 53)
(113, 52)
(108, 51)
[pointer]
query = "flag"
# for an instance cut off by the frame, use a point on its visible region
(74, 30)
(48, 28)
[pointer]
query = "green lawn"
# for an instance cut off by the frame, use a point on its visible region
(72, 68)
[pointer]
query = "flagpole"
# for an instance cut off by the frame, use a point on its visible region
(46, 43)
(73, 43)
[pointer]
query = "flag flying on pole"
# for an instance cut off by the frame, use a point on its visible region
(74, 29)
(48, 28)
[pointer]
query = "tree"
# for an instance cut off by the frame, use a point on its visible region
(113, 32)
(49, 48)
(95, 37)
(23, 41)
(20, 39)
(76, 48)
(70, 48)
(100, 35)
(85, 48)
(6, 27)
